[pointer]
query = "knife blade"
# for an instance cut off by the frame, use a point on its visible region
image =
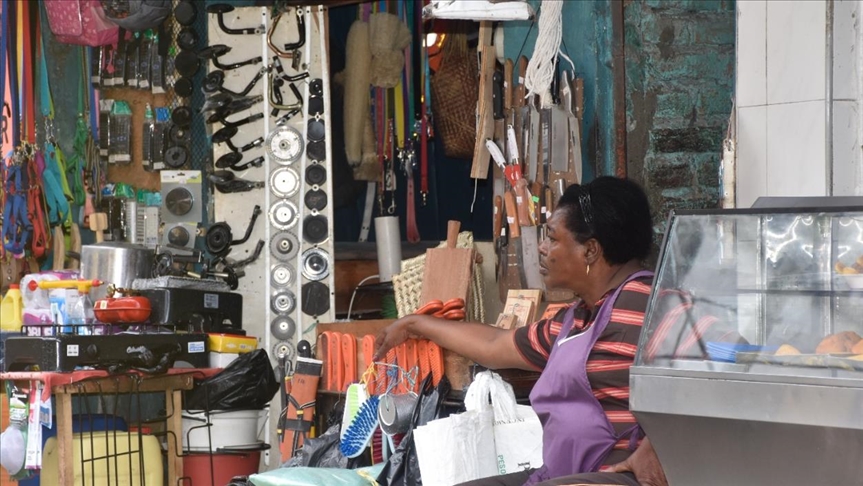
(515, 261)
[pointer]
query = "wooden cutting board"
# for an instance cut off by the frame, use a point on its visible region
(448, 271)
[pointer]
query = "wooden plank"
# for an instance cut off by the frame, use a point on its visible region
(485, 127)
(123, 384)
(348, 274)
(64, 437)
(174, 407)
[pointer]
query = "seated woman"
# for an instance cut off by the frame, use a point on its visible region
(598, 237)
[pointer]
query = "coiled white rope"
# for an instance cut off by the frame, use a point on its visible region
(541, 68)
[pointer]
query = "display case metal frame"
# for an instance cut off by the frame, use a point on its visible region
(754, 424)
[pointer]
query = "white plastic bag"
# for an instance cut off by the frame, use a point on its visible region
(517, 429)
(458, 448)
(494, 436)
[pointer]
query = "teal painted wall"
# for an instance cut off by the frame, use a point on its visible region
(679, 88)
(587, 41)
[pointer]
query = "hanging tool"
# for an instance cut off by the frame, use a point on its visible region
(214, 52)
(220, 9)
(219, 238)
(215, 80)
(226, 182)
(224, 135)
(292, 49)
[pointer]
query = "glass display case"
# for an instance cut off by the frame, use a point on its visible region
(750, 366)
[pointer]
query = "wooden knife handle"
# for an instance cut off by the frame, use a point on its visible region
(507, 85)
(511, 215)
(519, 88)
(452, 229)
(498, 217)
(522, 203)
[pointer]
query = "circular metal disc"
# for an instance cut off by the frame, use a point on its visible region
(187, 63)
(179, 201)
(179, 236)
(285, 182)
(316, 264)
(283, 328)
(187, 38)
(316, 174)
(176, 156)
(282, 275)
(316, 298)
(182, 116)
(183, 87)
(284, 246)
(285, 145)
(284, 350)
(179, 135)
(317, 150)
(315, 229)
(316, 200)
(283, 302)
(185, 13)
(316, 130)
(283, 214)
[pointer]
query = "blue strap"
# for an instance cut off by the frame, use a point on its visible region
(16, 225)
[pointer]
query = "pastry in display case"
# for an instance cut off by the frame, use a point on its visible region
(752, 339)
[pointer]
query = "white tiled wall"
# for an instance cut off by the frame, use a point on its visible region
(781, 98)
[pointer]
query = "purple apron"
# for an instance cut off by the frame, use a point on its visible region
(577, 436)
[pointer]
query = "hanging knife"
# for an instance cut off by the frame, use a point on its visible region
(514, 276)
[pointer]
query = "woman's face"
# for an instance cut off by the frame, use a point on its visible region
(561, 256)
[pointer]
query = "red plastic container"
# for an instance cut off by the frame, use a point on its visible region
(224, 467)
(122, 310)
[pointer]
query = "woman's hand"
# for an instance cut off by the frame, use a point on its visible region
(644, 463)
(391, 336)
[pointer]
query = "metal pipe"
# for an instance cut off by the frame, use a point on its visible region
(828, 98)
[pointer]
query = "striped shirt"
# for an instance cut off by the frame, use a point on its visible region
(609, 360)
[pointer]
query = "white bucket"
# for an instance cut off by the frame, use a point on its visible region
(227, 430)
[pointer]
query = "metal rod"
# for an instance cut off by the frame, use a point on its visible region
(828, 98)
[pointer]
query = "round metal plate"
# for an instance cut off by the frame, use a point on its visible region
(316, 264)
(183, 87)
(179, 135)
(285, 182)
(185, 13)
(283, 214)
(284, 350)
(283, 302)
(179, 236)
(282, 275)
(316, 174)
(285, 145)
(316, 298)
(182, 116)
(317, 151)
(316, 130)
(284, 246)
(187, 63)
(179, 201)
(316, 200)
(283, 328)
(176, 156)
(315, 229)
(187, 39)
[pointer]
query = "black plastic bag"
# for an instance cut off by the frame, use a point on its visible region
(402, 468)
(248, 383)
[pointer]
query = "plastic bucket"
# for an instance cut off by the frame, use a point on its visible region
(227, 430)
(198, 467)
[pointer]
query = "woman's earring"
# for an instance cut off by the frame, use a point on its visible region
(588, 269)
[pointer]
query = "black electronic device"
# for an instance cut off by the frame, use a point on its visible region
(199, 310)
(66, 352)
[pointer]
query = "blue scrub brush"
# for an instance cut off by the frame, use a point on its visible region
(358, 434)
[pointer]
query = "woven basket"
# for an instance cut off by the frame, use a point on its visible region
(455, 89)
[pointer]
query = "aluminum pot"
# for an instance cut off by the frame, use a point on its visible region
(116, 263)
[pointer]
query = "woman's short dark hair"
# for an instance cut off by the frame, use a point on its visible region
(613, 211)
